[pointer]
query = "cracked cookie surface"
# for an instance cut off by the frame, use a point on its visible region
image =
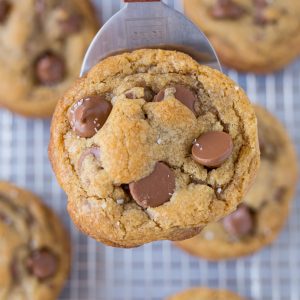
(250, 35)
(265, 208)
(205, 294)
(34, 247)
(97, 172)
(42, 44)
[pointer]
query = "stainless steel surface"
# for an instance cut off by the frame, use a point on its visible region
(149, 25)
(153, 271)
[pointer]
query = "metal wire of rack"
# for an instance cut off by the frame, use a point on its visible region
(156, 270)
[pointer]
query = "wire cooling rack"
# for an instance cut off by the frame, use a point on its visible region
(156, 270)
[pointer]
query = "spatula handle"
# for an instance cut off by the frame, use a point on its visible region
(127, 1)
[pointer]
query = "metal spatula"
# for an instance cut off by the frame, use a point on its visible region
(149, 24)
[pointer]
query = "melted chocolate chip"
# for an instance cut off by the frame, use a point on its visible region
(155, 189)
(4, 10)
(240, 223)
(94, 151)
(49, 69)
(182, 94)
(227, 9)
(42, 264)
(88, 115)
(212, 148)
(71, 25)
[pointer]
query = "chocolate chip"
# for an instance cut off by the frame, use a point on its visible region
(94, 151)
(148, 94)
(89, 114)
(182, 94)
(130, 95)
(4, 10)
(227, 9)
(212, 148)
(49, 69)
(155, 189)
(71, 25)
(42, 264)
(240, 223)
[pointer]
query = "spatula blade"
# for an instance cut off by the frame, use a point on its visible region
(149, 25)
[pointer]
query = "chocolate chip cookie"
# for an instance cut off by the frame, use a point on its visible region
(250, 35)
(258, 221)
(205, 294)
(34, 247)
(42, 44)
(150, 145)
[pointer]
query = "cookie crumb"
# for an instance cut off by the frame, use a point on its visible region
(219, 190)
(159, 141)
